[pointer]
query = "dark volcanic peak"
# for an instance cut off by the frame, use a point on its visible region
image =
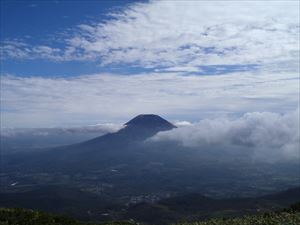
(150, 121)
(139, 128)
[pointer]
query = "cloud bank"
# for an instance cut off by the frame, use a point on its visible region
(22, 139)
(268, 135)
(101, 98)
(98, 129)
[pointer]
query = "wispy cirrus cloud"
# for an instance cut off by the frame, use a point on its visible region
(182, 34)
(42, 102)
(19, 49)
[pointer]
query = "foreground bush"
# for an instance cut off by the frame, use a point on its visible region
(282, 218)
(290, 216)
(31, 217)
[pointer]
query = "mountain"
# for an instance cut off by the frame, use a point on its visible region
(139, 128)
(123, 166)
(112, 148)
(150, 121)
(122, 147)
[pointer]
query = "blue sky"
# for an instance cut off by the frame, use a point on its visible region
(66, 63)
(39, 22)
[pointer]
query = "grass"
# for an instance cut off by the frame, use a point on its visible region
(282, 218)
(290, 216)
(19, 216)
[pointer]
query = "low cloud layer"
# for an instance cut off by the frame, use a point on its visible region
(100, 129)
(270, 136)
(20, 139)
(102, 98)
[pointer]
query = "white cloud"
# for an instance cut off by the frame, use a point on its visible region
(184, 34)
(172, 33)
(99, 129)
(269, 135)
(182, 123)
(22, 139)
(90, 99)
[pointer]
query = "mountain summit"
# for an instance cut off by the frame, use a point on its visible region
(144, 126)
(150, 121)
(139, 128)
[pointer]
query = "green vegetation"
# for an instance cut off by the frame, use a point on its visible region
(30, 217)
(283, 218)
(290, 216)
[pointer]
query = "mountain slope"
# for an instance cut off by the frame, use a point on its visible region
(139, 128)
(123, 166)
(110, 149)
